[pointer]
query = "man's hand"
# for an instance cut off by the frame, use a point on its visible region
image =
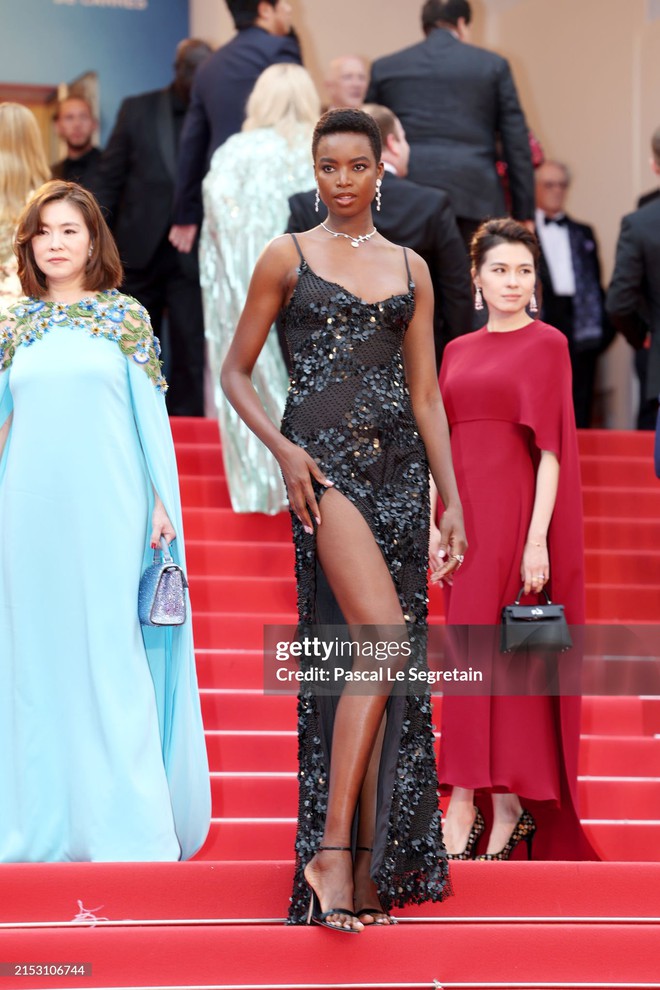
(182, 236)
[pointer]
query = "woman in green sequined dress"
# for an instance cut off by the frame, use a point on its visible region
(246, 203)
(363, 422)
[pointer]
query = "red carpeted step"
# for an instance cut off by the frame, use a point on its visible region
(641, 566)
(230, 669)
(200, 458)
(608, 532)
(236, 710)
(615, 603)
(306, 956)
(248, 595)
(255, 750)
(194, 429)
(259, 890)
(229, 630)
(275, 795)
(246, 750)
(598, 469)
(628, 501)
(207, 491)
(632, 716)
(240, 559)
(225, 524)
(253, 838)
(616, 443)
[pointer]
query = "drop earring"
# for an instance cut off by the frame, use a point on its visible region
(379, 183)
(533, 305)
(478, 298)
(317, 200)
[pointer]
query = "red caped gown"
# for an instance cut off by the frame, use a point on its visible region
(508, 397)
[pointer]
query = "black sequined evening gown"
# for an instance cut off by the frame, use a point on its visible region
(348, 406)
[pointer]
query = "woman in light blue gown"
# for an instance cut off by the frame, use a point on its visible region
(246, 203)
(102, 752)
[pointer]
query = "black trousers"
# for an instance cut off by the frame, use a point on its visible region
(164, 287)
(558, 312)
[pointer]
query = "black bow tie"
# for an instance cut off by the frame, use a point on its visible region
(561, 221)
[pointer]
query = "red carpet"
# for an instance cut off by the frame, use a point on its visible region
(216, 922)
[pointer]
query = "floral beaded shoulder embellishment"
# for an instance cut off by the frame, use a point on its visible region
(109, 314)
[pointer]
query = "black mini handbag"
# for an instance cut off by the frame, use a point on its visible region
(534, 627)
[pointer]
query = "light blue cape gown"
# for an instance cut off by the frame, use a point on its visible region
(102, 753)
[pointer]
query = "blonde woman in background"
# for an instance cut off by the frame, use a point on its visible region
(246, 193)
(23, 168)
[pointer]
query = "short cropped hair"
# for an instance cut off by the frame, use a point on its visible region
(385, 119)
(348, 121)
(501, 231)
(655, 146)
(103, 269)
(245, 12)
(68, 99)
(436, 12)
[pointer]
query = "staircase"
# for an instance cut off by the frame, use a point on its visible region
(217, 921)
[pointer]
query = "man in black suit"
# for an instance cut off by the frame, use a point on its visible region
(454, 100)
(135, 185)
(573, 298)
(416, 217)
(217, 106)
(633, 298)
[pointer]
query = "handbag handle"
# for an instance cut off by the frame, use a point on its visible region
(164, 549)
(542, 592)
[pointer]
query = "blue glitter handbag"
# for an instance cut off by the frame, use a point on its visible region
(162, 591)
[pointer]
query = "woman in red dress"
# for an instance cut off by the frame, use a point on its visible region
(507, 392)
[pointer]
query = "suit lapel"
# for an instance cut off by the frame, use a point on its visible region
(165, 131)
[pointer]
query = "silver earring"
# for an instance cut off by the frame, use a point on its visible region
(379, 183)
(533, 305)
(317, 200)
(478, 298)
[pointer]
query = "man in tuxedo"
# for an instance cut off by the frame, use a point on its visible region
(454, 100)
(220, 92)
(633, 298)
(75, 125)
(573, 298)
(416, 217)
(135, 185)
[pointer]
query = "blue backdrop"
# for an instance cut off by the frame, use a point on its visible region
(129, 43)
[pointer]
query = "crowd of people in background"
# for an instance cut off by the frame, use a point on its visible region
(465, 151)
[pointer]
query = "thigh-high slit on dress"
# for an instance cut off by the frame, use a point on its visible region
(349, 408)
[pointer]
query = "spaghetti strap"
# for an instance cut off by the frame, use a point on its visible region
(300, 254)
(405, 255)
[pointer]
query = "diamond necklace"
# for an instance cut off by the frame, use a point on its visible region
(355, 241)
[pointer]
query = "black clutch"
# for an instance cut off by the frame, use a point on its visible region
(534, 627)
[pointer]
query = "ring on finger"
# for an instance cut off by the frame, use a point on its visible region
(459, 557)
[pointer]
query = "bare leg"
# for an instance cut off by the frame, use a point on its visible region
(507, 809)
(366, 893)
(458, 820)
(362, 585)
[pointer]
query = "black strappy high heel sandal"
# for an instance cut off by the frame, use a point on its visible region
(477, 830)
(370, 910)
(317, 917)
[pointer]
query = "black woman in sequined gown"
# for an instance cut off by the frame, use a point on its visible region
(363, 423)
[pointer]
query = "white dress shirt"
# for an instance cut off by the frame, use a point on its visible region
(557, 253)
